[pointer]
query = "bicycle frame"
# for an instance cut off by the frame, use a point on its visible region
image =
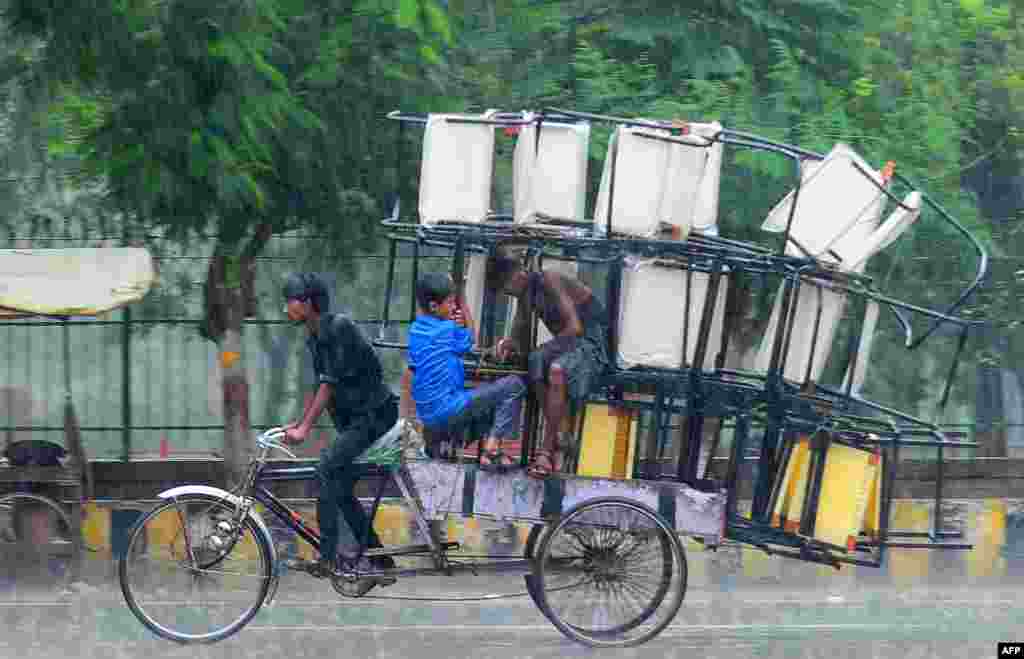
(591, 563)
(296, 522)
(256, 491)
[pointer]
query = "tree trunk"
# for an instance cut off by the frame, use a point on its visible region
(237, 443)
(229, 299)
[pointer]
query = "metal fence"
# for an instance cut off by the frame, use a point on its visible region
(143, 379)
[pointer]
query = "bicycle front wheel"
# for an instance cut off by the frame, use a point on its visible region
(191, 576)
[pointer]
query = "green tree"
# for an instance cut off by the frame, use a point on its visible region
(934, 87)
(219, 119)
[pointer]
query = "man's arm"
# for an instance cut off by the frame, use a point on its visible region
(520, 325)
(305, 410)
(335, 367)
(314, 407)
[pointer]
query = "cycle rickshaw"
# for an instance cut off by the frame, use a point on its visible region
(603, 561)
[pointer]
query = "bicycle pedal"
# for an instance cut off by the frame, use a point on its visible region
(311, 568)
(296, 564)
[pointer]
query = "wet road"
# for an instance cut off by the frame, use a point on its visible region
(797, 611)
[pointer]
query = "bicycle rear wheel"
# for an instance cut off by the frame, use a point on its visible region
(610, 573)
(191, 576)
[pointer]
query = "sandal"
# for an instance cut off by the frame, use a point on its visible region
(544, 463)
(496, 460)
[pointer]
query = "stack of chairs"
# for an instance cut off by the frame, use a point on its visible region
(841, 238)
(660, 182)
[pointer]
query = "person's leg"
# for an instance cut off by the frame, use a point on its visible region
(555, 405)
(444, 436)
(451, 431)
(549, 375)
(337, 481)
(352, 511)
(508, 398)
(370, 430)
(327, 471)
(573, 375)
(504, 397)
(548, 458)
(435, 440)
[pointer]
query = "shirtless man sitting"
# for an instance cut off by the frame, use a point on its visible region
(570, 364)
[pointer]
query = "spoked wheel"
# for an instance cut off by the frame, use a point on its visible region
(190, 574)
(36, 548)
(610, 573)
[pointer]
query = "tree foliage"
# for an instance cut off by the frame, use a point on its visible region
(216, 118)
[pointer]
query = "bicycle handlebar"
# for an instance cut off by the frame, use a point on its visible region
(268, 440)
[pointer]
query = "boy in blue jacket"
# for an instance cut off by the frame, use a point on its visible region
(441, 334)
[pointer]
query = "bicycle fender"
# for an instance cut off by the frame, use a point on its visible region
(218, 493)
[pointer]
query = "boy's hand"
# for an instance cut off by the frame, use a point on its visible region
(506, 348)
(459, 317)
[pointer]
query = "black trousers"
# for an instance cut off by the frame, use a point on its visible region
(338, 478)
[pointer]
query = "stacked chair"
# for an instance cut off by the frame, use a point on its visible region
(673, 282)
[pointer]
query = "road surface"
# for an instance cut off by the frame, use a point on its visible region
(798, 611)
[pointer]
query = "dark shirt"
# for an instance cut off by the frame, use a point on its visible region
(344, 358)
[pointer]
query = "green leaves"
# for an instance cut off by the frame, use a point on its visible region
(429, 54)
(864, 86)
(270, 73)
(207, 116)
(437, 20)
(428, 21)
(407, 14)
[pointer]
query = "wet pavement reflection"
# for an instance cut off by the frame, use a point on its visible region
(740, 602)
(783, 608)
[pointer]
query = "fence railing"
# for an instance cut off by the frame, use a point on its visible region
(144, 383)
(143, 380)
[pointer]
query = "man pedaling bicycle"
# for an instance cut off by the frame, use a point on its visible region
(350, 385)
